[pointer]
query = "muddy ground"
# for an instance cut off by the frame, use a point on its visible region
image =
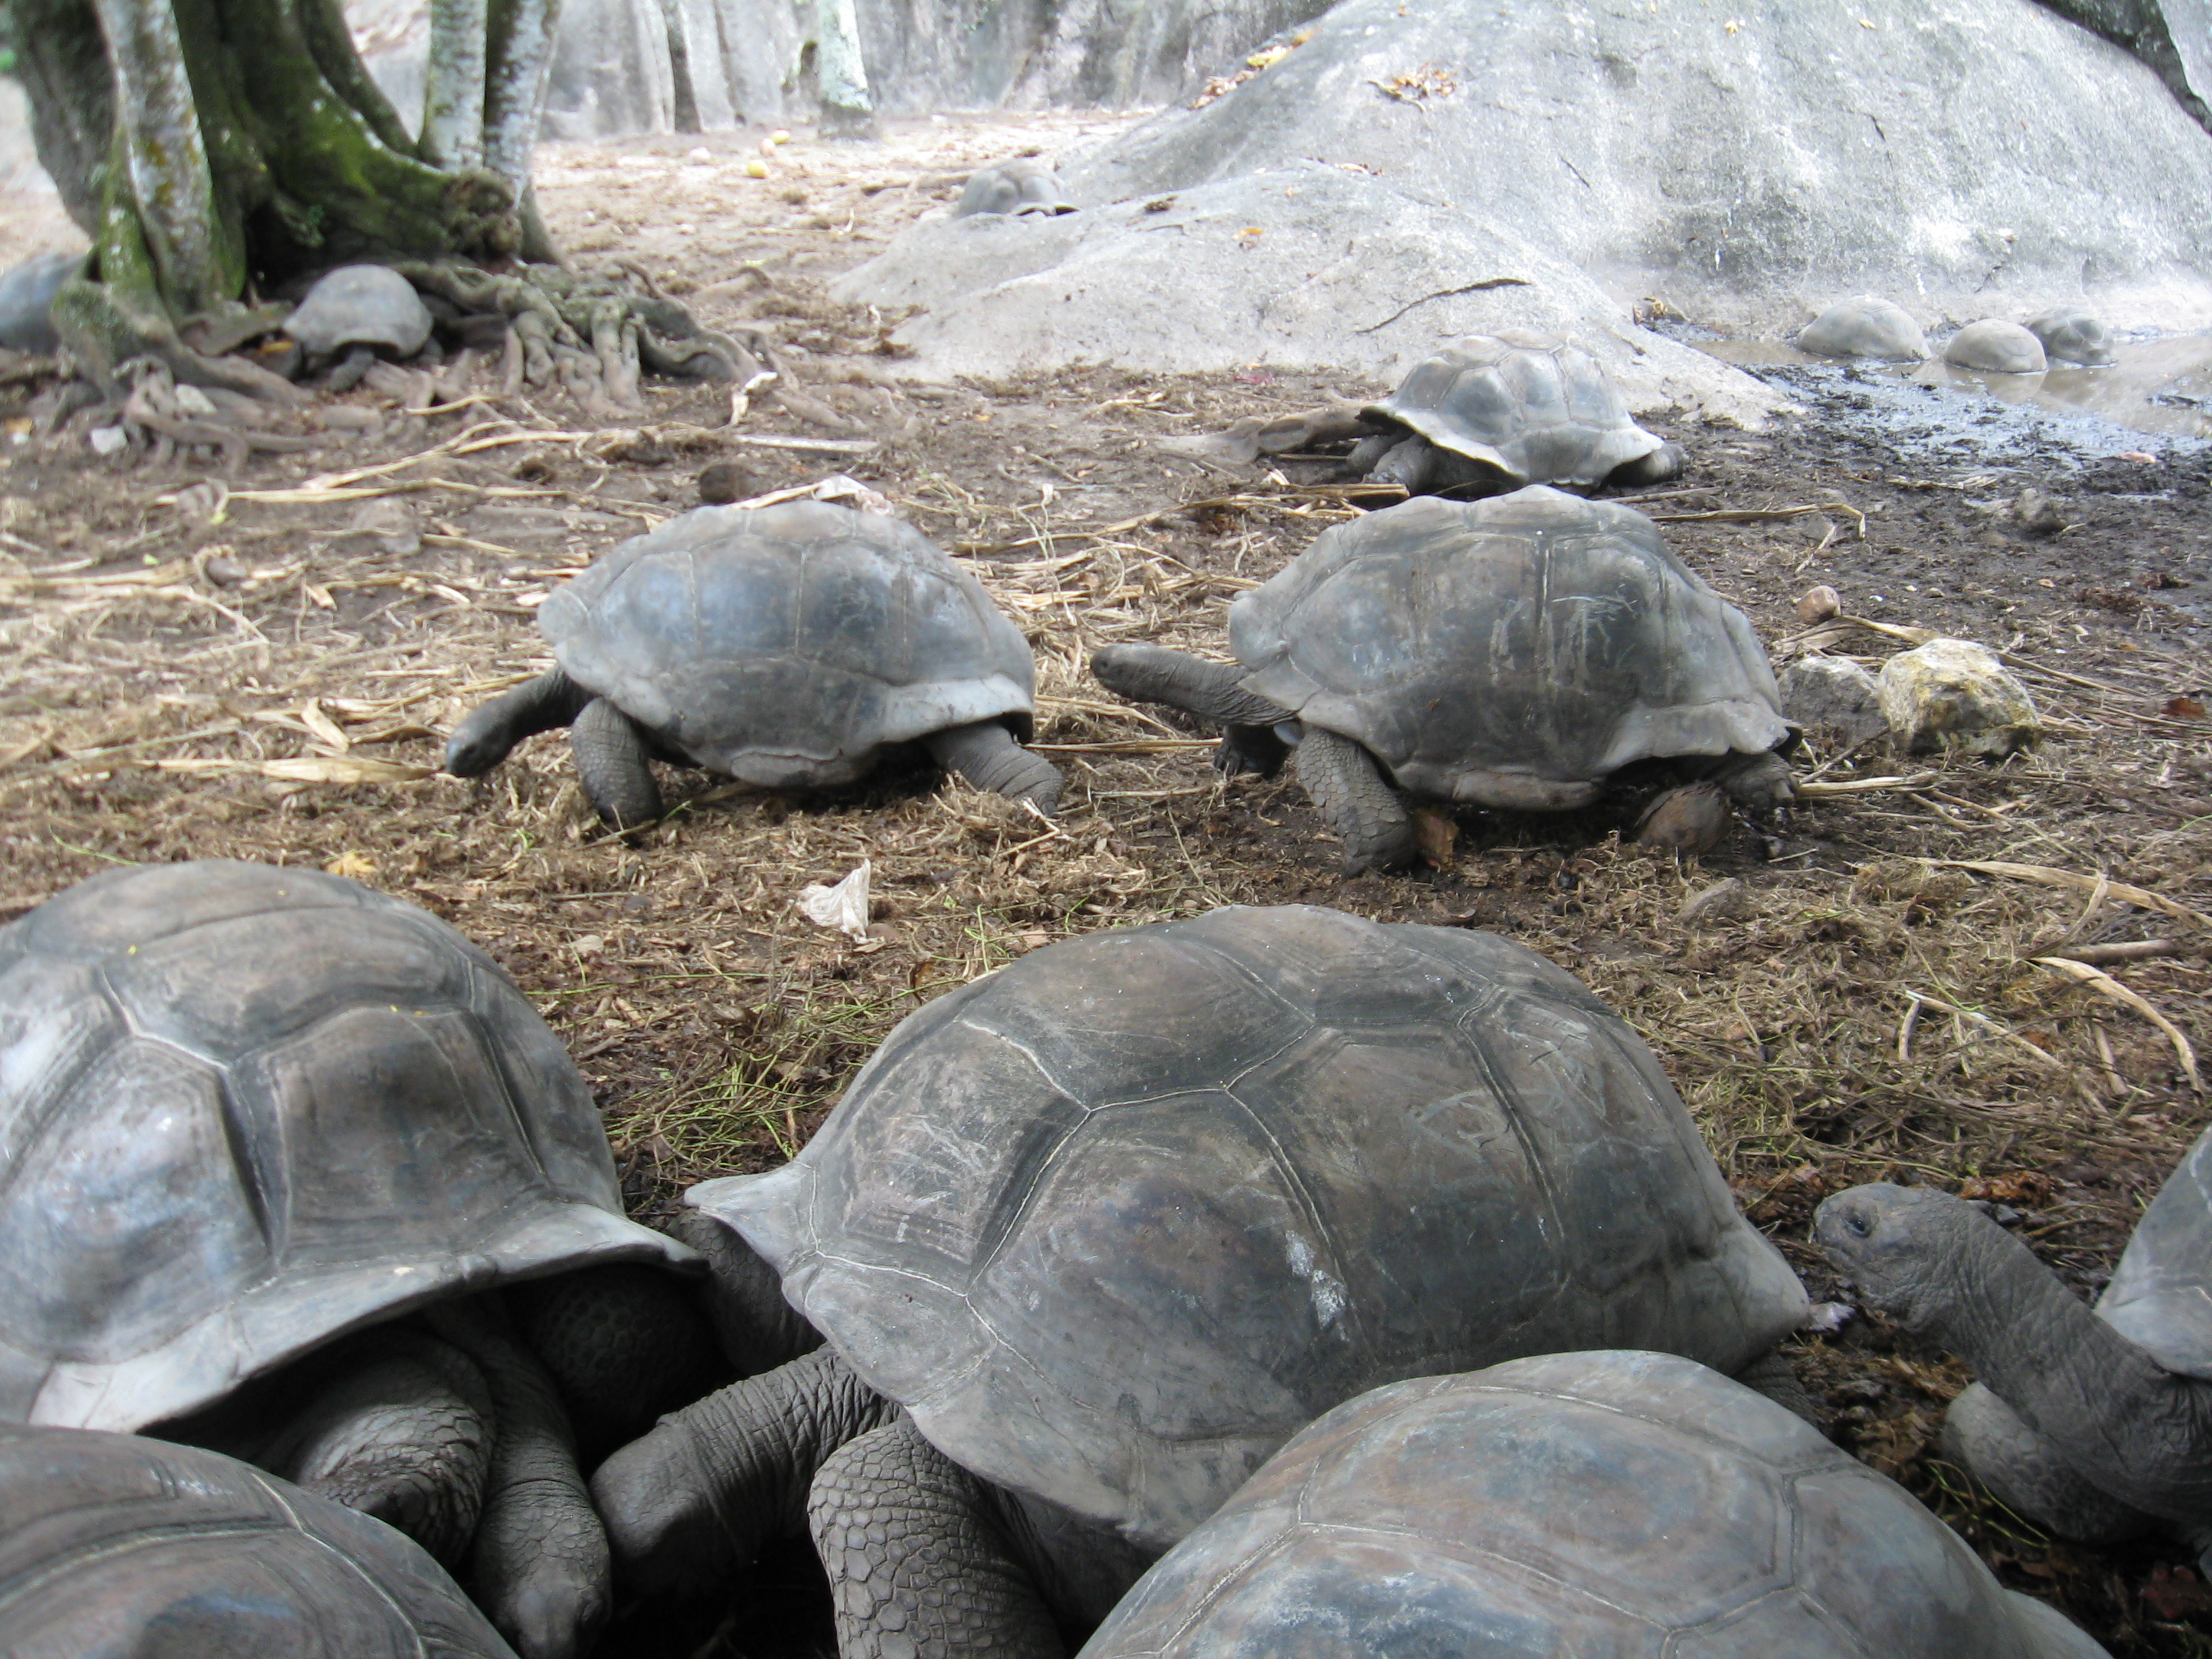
(270, 679)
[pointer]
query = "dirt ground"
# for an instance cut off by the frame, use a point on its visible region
(270, 677)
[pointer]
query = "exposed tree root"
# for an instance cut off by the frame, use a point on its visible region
(595, 335)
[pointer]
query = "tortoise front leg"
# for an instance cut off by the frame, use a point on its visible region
(612, 759)
(1356, 799)
(918, 1566)
(1661, 464)
(540, 1567)
(492, 729)
(987, 756)
(1986, 1436)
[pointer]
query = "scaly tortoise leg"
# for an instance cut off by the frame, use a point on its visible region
(918, 1564)
(1356, 799)
(613, 761)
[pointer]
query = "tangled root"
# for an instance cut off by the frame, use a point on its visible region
(593, 336)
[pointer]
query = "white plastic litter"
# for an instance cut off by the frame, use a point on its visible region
(844, 907)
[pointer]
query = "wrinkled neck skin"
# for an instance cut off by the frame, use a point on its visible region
(2111, 1412)
(698, 1497)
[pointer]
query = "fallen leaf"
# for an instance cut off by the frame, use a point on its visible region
(1436, 835)
(353, 865)
(2183, 708)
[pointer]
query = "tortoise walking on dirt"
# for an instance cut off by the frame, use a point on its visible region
(787, 646)
(1514, 653)
(2095, 1423)
(1492, 413)
(1591, 1503)
(1089, 1238)
(290, 1169)
(114, 1545)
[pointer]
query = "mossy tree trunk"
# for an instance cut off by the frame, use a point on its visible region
(244, 143)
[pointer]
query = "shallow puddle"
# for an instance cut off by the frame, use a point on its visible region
(2161, 385)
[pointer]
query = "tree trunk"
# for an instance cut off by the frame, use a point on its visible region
(518, 48)
(847, 109)
(683, 93)
(238, 141)
(453, 85)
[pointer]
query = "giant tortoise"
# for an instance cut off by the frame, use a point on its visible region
(2095, 1423)
(1515, 652)
(1493, 412)
(1583, 1504)
(787, 646)
(290, 1169)
(1090, 1237)
(117, 1546)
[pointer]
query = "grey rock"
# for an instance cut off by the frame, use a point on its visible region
(1867, 326)
(1996, 346)
(1282, 281)
(27, 292)
(1588, 1503)
(1798, 153)
(1954, 694)
(1832, 697)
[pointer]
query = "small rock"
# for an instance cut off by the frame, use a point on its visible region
(1691, 819)
(348, 417)
(106, 440)
(2036, 514)
(1832, 695)
(193, 400)
(223, 570)
(1717, 903)
(1996, 347)
(699, 153)
(725, 482)
(1954, 694)
(1819, 605)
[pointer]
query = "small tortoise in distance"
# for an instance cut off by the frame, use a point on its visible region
(1513, 652)
(115, 1545)
(1605, 1503)
(1019, 187)
(354, 314)
(787, 646)
(1491, 413)
(2071, 335)
(1112, 1223)
(1865, 327)
(2093, 1422)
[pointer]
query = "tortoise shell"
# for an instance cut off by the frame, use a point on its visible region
(1512, 652)
(1116, 1220)
(2071, 335)
(1537, 409)
(1591, 1503)
(360, 304)
(1865, 327)
(1016, 187)
(244, 1110)
(113, 1546)
(2161, 1296)
(789, 646)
